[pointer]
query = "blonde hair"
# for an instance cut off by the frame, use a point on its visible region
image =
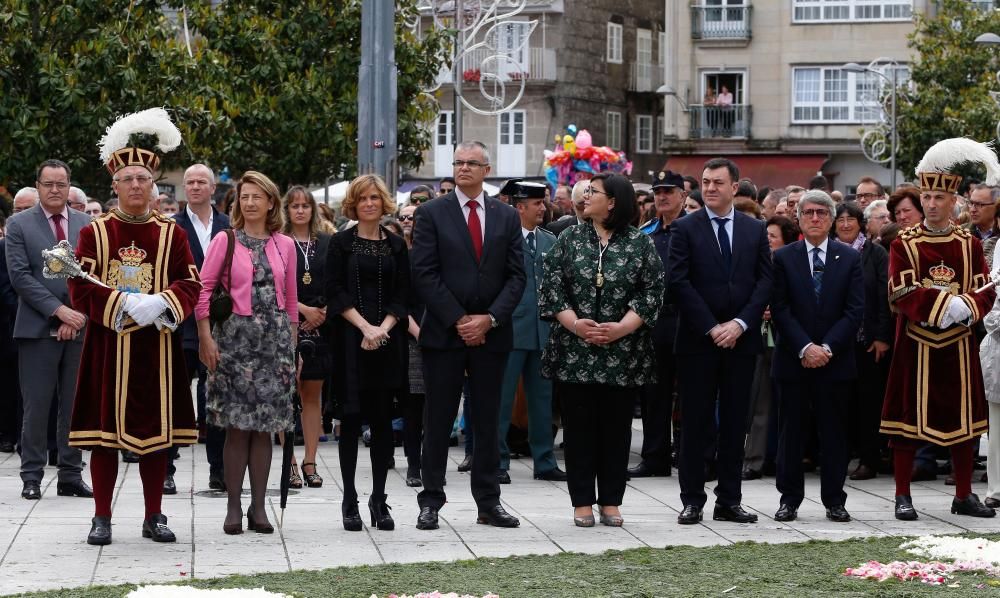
(286, 203)
(358, 186)
(275, 215)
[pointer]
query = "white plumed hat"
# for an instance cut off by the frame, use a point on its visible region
(131, 140)
(935, 168)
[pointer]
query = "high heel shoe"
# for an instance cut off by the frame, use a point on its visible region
(312, 479)
(233, 529)
(261, 527)
(352, 519)
(381, 519)
(294, 479)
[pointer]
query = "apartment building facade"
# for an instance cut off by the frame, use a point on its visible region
(593, 63)
(796, 110)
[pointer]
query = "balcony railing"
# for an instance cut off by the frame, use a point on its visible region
(645, 76)
(538, 64)
(713, 122)
(721, 22)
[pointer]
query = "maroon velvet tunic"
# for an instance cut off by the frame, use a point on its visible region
(132, 390)
(935, 389)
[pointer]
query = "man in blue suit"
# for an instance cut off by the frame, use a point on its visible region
(201, 221)
(720, 278)
(530, 336)
(817, 305)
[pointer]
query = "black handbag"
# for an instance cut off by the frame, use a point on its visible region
(220, 304)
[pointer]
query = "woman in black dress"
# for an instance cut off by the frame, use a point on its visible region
(369, 280)
(302, 224)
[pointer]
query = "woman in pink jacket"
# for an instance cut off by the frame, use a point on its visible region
(250, 356)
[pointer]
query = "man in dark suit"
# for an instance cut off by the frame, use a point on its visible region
(576, 217)
(49, 332)
(658, 398)
(201, 221)
(468, 271)
(817, 305)
(720, 277)
(530, 335)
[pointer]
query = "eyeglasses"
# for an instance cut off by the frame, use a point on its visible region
(979, 204)
(405, 217)
(53, 185)
(142, 179)
(815, 213)
(867, 196)
(469, 163)
(593, 190)
(418, 198)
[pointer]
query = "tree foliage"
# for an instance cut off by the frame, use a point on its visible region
(267, 85)
(951, 79)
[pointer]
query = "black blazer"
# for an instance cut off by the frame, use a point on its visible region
(8, 306)
(705, 294)
(220, 222)
(800, 319)
(451, 283)
(877, 320)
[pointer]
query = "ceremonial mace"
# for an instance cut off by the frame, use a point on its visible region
(60, 262)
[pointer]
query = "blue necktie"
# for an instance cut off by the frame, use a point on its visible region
(531, 242)
(817, 272)
(724, 246)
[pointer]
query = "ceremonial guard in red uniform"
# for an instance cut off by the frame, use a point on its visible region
(937, 286)
(132, 391)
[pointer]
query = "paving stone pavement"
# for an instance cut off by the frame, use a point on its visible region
(43, 543)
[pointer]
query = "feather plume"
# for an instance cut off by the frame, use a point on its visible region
(945, 154)
(154, 121)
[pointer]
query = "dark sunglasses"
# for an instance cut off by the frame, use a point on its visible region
(418, 198)
(403, 218)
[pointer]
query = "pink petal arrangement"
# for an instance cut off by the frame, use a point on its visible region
(965, 554)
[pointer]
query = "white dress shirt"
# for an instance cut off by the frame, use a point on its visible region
(204, 232)
(480, 210)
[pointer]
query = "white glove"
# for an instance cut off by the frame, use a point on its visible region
(150, 307)
(132, 301)
(956, 312)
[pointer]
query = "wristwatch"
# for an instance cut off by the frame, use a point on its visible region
(493, 321)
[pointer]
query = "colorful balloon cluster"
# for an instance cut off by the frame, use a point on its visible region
(576, 157)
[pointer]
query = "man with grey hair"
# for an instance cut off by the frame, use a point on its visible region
(77, 199)
(817, 316)
(168, 206)
(576, 217)
(26, 197)
(876, 216)
(983, 211)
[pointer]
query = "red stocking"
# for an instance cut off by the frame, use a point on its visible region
(103, 474)
(961, 463)
(153, 471)
(902, 460)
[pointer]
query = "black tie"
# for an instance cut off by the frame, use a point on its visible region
(724, 246)
(817, 272)
(531, 242)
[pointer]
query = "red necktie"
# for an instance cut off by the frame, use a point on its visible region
(475, 230)
(57, 222)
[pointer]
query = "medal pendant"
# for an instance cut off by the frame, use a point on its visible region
(307, 278)
(600, 279)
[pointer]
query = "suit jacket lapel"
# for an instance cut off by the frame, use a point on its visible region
(491, 224)
(74, 226)
(713, 236)
(803, 264)
(454, 210)
(43, 223)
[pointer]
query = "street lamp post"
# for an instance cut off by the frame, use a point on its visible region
(853, 67)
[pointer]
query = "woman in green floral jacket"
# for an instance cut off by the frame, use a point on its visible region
(603, 282)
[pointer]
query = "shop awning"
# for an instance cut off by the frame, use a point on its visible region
(765, 170)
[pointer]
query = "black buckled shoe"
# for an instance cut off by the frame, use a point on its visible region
(786, 513)
(497, 517)
(351, 516)
(100, 531)
(169, 486)
(734, 513)
(31, 491)
(971, 506)
(428, 518)
(904, 508)
(690, 515)
(155, 527)
(838, 514)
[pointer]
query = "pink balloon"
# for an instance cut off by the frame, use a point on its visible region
(583, 139)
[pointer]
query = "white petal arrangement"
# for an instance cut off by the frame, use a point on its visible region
(951, 554)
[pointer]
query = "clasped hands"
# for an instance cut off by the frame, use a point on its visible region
(375, 337)
(143, 308)
(72, 322)
(957, 312)
(815, 356)
(473, 328)
(726, 334)
(599, 333)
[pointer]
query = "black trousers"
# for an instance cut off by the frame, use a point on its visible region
(702, 379)
(865, 406)
(657, 411)
(597, 421)
(215, 437)
(10, 399)
(828, 401)
(413, 431)
(444, 373)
